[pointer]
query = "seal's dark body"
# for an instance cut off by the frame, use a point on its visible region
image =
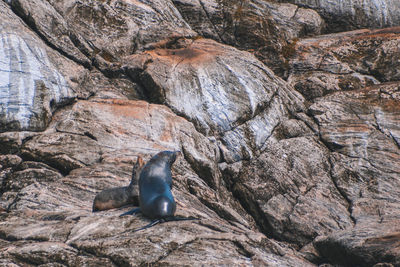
(155, 183)
(155, 196)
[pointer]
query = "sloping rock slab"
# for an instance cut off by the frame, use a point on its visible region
(48, 219)
(101, 129)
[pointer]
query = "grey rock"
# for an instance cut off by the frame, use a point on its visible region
(223, 91)
(344, 61)
(99, 33)
(345, 15)
(32, 84)
(362, 130)
(289, 191)
(370, 243)
(272, 179)
(263, 27)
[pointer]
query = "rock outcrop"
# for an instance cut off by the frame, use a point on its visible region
(290, 139)
(342, 15)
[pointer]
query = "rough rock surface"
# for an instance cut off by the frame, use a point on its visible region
(263, 27)
(345, 61)
(225, 92)
(344, 15)
(296, 172)
(34, 79)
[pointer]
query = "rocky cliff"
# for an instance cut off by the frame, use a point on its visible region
(288, 124)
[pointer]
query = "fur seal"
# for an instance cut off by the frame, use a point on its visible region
(119, 196)
(155, 197)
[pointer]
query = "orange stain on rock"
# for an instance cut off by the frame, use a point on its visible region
(136, 109)
(199, 52)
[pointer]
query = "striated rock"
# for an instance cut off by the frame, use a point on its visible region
(344, 61)
(289, 191)
(272, 179)
(345, 15)
(99, 130)
(362, 129)
(223, 91)
(100, 33)
(61, 227)
(369, 243)
(34, 80)
(263, 27)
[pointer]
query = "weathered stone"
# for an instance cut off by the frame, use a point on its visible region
(34, 79)
(223, 91)
(52, 254)
(369, 243)
(259, 164)
(289, 191)
(363, 128)
(263, 27)
(342, 15)
(100, 33)
(344, 61)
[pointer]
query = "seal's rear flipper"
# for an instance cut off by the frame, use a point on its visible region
(150, 224)
(131, 212)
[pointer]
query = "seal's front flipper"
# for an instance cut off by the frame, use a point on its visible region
(131, 212)
(150, 224)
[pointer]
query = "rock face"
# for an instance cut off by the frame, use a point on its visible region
(344, 15)
(31, 81)
(263, 27)
(344, 61)
(299, 171)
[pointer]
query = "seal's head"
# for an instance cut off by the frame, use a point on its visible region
(166, 156)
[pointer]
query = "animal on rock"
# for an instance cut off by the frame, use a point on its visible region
(120, 196)
(155, 197)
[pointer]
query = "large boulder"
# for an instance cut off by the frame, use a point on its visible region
(225, 92)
